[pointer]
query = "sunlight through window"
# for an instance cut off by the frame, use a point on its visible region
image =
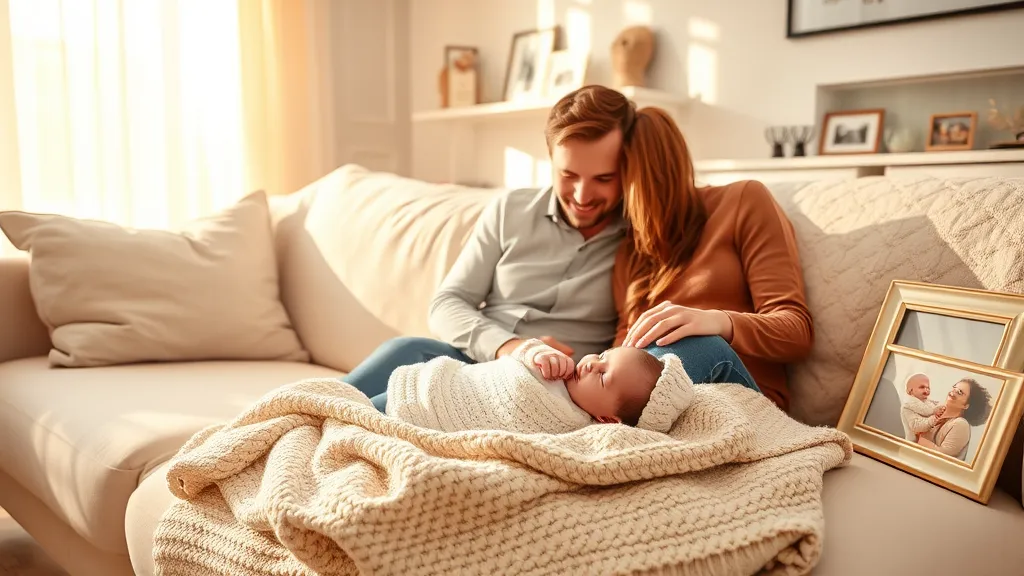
(637, 12)
(703, 29)
(577, 30)
(519, 168)
(542, 178)
(545, 14)
(702, 72)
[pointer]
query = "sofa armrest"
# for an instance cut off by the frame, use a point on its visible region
(22, 333)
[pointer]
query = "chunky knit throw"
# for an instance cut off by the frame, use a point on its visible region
(313, 480)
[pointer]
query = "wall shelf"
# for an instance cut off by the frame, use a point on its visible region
(527, 108)
(863, 160)
(1006, 163)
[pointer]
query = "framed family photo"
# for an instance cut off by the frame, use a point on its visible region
(939, 393)
(566, 71)
(852, 132)
(952, 131)
(527, 63)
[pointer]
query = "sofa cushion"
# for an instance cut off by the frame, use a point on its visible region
(113, 295)
(361, 255)
(880, 520)
(855, 237)
(80, 439)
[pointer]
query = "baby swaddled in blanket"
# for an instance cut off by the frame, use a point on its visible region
(536, 389)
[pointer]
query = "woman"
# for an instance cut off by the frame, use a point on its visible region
(712, 273)
(967, 404)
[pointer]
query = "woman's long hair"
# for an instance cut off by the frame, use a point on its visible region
(666, 215)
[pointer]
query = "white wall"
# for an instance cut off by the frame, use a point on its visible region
(750, 75)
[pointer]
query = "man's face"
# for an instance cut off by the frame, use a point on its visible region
(586, 180)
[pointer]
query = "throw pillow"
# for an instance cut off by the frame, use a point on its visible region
(115, 295)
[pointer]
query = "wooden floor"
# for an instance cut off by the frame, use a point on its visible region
(19, 553)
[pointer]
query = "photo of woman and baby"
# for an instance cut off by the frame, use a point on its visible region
(935, 406)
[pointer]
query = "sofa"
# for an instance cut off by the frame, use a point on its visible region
(358, 254)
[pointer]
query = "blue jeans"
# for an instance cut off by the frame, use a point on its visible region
(706, 359)
(371, 376)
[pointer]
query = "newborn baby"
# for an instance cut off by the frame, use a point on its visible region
(919, 413)
(536, 389)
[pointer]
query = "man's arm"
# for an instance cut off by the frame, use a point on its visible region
(455, 315)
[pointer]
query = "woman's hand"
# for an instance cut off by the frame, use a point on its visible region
(667, 323)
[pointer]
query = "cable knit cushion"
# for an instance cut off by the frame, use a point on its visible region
(313, 480)
(670, 398)
(114, 295)
(855, 237)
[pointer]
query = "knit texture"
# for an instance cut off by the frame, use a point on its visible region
(313, 480)
(505, 394)
(669, 399)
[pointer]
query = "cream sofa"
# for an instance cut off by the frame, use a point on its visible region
(84, 450)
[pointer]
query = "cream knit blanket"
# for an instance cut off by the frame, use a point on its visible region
(313, 480)
(505, 394)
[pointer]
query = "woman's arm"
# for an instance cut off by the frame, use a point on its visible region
(954, 442)
(780, 328)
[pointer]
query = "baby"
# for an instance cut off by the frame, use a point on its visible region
(919, 413)
(537, 389)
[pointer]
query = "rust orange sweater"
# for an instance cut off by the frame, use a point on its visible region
(748, 266)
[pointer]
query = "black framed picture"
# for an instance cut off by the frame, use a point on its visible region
(811, 17)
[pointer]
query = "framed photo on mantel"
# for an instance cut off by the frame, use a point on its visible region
(810, 17)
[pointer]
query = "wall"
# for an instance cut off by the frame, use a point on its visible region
(734, 53)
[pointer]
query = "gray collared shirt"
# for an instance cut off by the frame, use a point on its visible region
(526, 273)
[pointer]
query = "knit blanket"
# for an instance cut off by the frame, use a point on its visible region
(505, 394)
(313, 480)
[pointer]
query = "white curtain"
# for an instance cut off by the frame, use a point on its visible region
(148, 113)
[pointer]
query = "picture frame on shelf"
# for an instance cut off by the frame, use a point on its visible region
(566, 71)
(939, 393)
(461, 82)
(852, 132)
(953, 131)
(527, 63)
(814, 17)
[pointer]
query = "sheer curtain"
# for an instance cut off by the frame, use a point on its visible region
(150, 112)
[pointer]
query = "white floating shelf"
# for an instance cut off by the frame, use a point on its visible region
(862, 160)
(525, 108)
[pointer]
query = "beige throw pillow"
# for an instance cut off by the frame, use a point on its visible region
(115, 295)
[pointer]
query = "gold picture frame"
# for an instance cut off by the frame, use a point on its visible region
(982, 343)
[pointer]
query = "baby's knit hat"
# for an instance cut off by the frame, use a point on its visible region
(670, 398)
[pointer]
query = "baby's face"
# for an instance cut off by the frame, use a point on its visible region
(601, 381)
(920, 387)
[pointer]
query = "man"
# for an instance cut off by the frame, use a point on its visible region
(539, 262)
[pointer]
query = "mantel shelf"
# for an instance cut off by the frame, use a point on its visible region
(862, 160)
(526, 108)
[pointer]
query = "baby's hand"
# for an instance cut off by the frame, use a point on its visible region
(554, 365)
(940, 410)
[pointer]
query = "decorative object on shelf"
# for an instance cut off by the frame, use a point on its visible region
(801, 136)
(899, 140)
(632, 51)
(527, 61)
(939, 391)
(810, 17)
(953, 131)
(777, 136)
(1004, 122)
(566, 71)
(852, 132)
(459, 82)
